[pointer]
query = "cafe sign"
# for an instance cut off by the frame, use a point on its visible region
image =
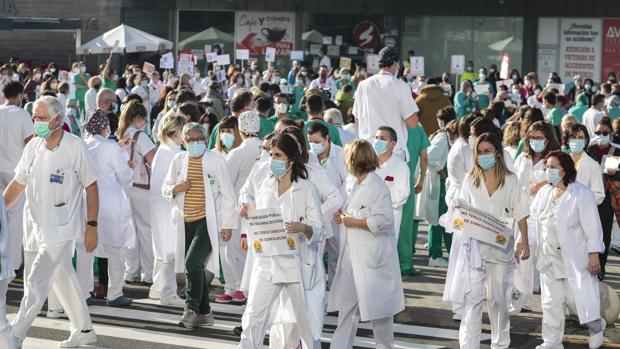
(255, 31)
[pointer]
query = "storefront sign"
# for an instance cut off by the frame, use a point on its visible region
(256, 31)
(547, 61)
(267, 236)
(611, 46)
(366, 35)
(580, 48)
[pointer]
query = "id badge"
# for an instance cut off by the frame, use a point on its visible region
(59, 177)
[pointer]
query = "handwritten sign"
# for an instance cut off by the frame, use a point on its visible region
(267, 236)
(507, 83)
(148, 68)
(457, 64)
(481, 89)
(503, 72)
(270, 54)
(297, 56)
(211, 56)
(242, 54)
(482, 226)
(417, 65)
(372, 63)
(166, 61)
(223, 60)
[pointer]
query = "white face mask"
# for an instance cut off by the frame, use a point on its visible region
(282, 108)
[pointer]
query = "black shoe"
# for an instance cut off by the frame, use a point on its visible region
(237, 331)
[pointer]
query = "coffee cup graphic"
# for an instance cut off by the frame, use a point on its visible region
(274, 33)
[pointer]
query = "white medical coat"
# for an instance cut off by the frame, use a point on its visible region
(428, 203)
(590, 174)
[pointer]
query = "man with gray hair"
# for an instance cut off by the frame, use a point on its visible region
(334, 117)
(54, 171)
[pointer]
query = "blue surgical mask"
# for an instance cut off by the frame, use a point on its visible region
(486, 161)
(196, 149)
(171, 104)
(537, 145)
(278, 167)
(227, 139)
(316, 148)
(553, 176)
(380, 146)
(602, 140)
(71, 112)
(576, 145)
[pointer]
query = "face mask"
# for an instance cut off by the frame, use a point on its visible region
(514, 76)
(196, 149)
(37, 76)
(527, 83)
(486, 161)
(144, 83)
(300, 82)
(115, 77)
(54, 86)
(71, 112)
(240, 81)
(42, 129)
(347, 77)
(472, 141)
(83, 69)
(553, 176)
(380, 146)
(227, 139)
(492, 70)
(537, 145)
(264, 155)
(170, 104)
(576, 145)
(409, 77)
(537, 92)
(470, 68)
(282, 108)
(247, 75)
(588, 86)
(278, 167)
(316, 148)
(611, 78)
(482, 77)
(53, 70)
(602, 140)
(594, 89)
(516, 92)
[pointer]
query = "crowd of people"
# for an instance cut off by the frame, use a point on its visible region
(154, 177)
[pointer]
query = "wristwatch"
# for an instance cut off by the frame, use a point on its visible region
(92, 223)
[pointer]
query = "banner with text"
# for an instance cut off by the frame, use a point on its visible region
(482, 226)
(267, 236)
(256, 31)
(580, 48)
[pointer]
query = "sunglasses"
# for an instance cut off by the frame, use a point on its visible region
(604, 133)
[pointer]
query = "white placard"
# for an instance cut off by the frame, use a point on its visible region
(503, 72)
(580, 48)
(185, 67)
(220, 75)
(457, 64)
(166, 61)
(372, 63)
(333, 50)
(338, 40)
(315, 49)
(482, 226)
(416, 65)
(612, 163)
(266, 233)
(148, 68)
(297, 56)
(243, 54)
(547, 61)
(559, 87)
(207, 48)
(186, 57)
(481, 89)
(507, 83)
(352, 50)
(327, 40)
(223, 60)
(211, 56)
(270, 54)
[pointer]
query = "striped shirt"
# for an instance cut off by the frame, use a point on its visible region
(194, 206)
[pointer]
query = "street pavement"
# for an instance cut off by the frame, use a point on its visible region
(425, 324)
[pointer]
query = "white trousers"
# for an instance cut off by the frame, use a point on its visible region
(5, 325)
(526, 275)
(232, 260)
(52, 300)
(498, 281)
(52, 269)
(15, 222)
(164, 280)
(556, 295)
(261, 296)
(84, 269)
(332, 246)
(139, 260)
(348, 319)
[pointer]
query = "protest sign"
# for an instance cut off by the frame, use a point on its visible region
(166, 61)
(417, 66)
(345, 62)
(258, 30)
(503, 72)
(266, 233)
(223, 60)
(297, 56)
(507, 83)
(559, 87)
(481, 89)
(270, 54)
(211, 57)
(457, 64)
(482, 226)
(372, 63)
(333, 50)
(242, 54)
(148, 68)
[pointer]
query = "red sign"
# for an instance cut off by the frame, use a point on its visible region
(366, 35)
(611, 46)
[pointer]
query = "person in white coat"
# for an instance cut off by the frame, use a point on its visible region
(530, 170)
(570, 239)
(199, 184)
(331, 158)
(240, 162)
(6, 275)
(139, 259)
(481, 267)
(287, 190)
(116, 231)
(368, 268)
(164, 235)
(589, 172)
(393, 171)
(54, 171)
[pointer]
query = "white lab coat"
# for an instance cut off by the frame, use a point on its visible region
(590, 174)
(428, 203)
(395, 173)
(240, 161)
(219, 203)
(5, 272)
(372, 259)
(458, 165)
(162, 228)
(578, 225)
(113, 174)
(330, 197)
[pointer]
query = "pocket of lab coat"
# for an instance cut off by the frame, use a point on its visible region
(307, 274)
(62, 195)
(375, 257)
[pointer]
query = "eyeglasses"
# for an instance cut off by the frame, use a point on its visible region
(604, 133)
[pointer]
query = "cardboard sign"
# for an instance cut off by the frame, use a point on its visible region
(266, 234)
(503, 72)
(297, 56)
(166, 61)
(481, 89)
(457, 64)
(482, 226)
(148, 68)
(372, 63)
(223, 60)
(416, 65)
(242, 54)
(559, 87)
(270, 54)
(345, 62)
(211, 56)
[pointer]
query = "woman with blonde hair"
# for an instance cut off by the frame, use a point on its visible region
(132, 121)
(164, 285)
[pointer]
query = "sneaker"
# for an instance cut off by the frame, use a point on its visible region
(121, 301)
(154, 295)
(189, 319)
(550, 346)
(596, 339)
(56, 314)
(223, 298)
(437, 262)
(78, 339)
(457, 317)
(204, 320)
(237, 331)
(238, 297)
(174, 301)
